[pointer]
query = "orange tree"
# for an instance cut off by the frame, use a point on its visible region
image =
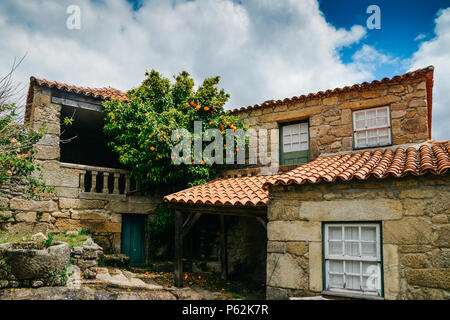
(141, 128)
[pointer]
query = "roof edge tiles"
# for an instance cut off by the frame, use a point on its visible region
(398, 162)
(426, 72)
(403, 161)
(98, 93)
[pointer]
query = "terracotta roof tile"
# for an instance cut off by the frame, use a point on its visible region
(243, 191)
(411, 160)
(252, 191)
(99, 93)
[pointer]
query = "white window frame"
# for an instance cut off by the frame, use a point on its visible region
(329, 257)
(368, 128)
(300, 126)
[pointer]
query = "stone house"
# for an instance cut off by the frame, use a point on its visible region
(355, 202)
(366, 215)
(93, 191)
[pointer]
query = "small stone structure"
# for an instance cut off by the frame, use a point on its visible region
(27, 265)
(86, 257)
(414, 214)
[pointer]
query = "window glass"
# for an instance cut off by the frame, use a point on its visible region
(371, 127)
(352, 257)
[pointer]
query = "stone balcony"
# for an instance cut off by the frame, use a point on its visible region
(103, 183)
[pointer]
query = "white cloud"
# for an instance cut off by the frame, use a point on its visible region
(369, 59)
(420, 37)
(262, 49)
(437, 52)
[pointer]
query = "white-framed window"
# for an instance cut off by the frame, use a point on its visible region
(372, 127)
(353, 258)
(295, 137)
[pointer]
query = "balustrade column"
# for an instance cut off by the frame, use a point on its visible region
(127, 183)
(116, 183)
(105, 182)
(94, 181)
(82, 175)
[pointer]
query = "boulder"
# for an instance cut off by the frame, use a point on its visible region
(38, 237)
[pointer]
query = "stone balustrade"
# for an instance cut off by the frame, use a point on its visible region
(103, 181)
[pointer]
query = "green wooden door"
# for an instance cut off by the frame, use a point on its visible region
(133, 238)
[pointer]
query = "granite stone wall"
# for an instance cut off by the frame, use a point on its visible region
(330, 117)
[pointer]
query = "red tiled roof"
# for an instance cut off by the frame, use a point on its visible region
(252, 191)
(362, 165)
(426, 72)
(99, 93)
(242, 191)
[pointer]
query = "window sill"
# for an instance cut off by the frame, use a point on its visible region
(350, 295)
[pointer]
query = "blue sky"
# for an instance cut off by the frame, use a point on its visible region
(262, 49)
(402, 21)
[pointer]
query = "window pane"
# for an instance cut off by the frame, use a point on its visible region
(335, 233)
(304, 137)
(382, 121)
(304, 127)
(359, 240)
(369, 268)
(304, 146)
(368, 233)
(336, 266)
(371, 114)
(352, 249)
(287, 139)
(287, 130)
(360, 124)
(336, 281)
(372, 142)
(369, 249)
(351, 233)
(381, 112)
(353, 267)
(353, 282)
(360, 116)
(335, 247)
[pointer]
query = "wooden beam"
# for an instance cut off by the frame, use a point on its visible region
(77, 104)
(190, 221)
(261, 220)
(178, 264)
(222, 210)
(223, 249)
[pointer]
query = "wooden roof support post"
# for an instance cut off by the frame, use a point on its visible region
(178, 265)
(223, 249)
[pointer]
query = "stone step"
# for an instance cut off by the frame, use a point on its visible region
(123, 279)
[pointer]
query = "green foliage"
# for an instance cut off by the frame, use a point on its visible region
(17, 154)
(84, 232)
(60, 274)
(160, 226)
(68, 121)
(141, 129)
(49, 241)
(163, 217)
(39, 214)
